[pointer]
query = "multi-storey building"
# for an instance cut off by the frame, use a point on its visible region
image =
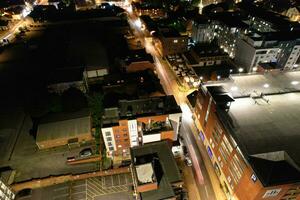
(228, 28)
(136, 122)
(169, 41)
(249, 127)
(278, 47)
(202, 31)
(154, 11)
(266, 21)
(293, 13)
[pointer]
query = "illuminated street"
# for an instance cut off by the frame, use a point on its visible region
(202, 176)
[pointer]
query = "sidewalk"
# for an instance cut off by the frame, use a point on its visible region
(189, 181)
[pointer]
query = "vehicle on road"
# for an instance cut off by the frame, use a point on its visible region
(70, 158)
(86, 152)
(188, 161)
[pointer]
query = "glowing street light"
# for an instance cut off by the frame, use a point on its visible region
(266, 85)
(241, 70)
(138, 23)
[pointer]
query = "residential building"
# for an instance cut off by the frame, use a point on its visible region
(169, 41)
(5, 192)
(155, 172)
(280, 47)
(140, 121)
(249, 127)
(203, 62)
(64, 129)
(135, 85)
(202, 31)
(228, 28)
(154, 11)
(206, 54)
(263, 20)
(293, 13)
(136, 60)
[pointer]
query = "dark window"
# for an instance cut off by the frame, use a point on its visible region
(111, 148)
(109, 139)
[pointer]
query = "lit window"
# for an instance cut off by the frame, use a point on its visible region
(175, 41)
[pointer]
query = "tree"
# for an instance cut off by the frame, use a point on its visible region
(95, 102)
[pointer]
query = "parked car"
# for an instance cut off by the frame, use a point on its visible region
(86, 152)
(188, 161)
(72, 158)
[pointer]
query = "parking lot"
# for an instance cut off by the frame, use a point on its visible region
(96, 188)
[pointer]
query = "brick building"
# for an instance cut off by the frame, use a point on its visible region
(137, 60)
(249, 127)
(62, 129)
(169, 41)
(136, 122)
(155, 172)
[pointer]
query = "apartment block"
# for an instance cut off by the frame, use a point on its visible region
(169, 41)
(277, 47)
(228, 28)
(140, 121)
(202, 31)
(249, 127)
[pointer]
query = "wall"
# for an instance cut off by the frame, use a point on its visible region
(167, 135)
(121, 135)
(248, 186)
(173, 45)
(147, 187)
(63, 141)
(108, 133)
(244, 54)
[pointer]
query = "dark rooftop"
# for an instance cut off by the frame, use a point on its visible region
(278, 21)
(138, 56)
(203, 50)
(66, 75)
(150, 106)
(192, 98)
(267, 134)
(169, 32)
(201, 19)
(231, 19)
(129, 86)
(169, 169)
(274, 172)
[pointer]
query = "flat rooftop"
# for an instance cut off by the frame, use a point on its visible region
(264, 121)
(270, 125)
(166, 165)
(255, 84)
(145, 173)
(148, 106)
